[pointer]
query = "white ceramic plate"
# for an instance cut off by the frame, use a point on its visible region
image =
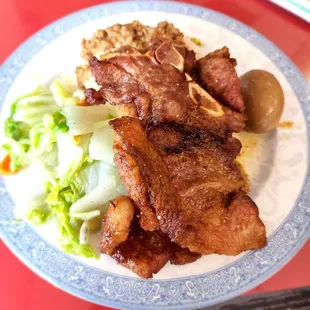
(277, 164)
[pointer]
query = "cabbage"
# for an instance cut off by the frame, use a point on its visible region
(42, 136)
(69, 234)
(60, 122)
(73, 145)
(32, 124)
(121, 188)
(16, 153)
(39, 210)
(86, 216)
(39, 216)
(97, 199)
(88, 227)
(61, 95)
(16, 130)
(70, 158)
(60, 200)
(83, 141)
(89, 176)
(84, 233)
(31, 110)
(85, 119)
(101, 145)
(95, 173)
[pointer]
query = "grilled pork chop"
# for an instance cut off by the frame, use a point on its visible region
(218, 75)
(116, 224)
(176, 156)
(143, 252)
(194, 195)
(161, 92)
(135, 186)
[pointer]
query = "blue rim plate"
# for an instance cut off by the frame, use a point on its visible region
(109, 289)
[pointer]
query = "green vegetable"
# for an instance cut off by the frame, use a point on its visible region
(95, 173)
(31, 110)
(58, 201)
(86, 216)
(61, 95)
(70, 158)
(16, 130)
(27, 126)
(17, 153)
(196, 41)
(37, 216)
(39, 210)
(97, 198)
(66, 189)
(101, 145)
(47, 127)
(70, 235)
(86, 119)
(43, 136)
(60, 122)
(88, 227)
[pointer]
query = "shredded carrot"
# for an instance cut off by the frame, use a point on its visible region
(5, 166)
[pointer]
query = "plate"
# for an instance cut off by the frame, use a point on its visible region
(278, 166)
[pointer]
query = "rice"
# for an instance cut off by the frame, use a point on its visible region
(106, 40)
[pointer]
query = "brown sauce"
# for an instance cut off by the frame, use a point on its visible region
(286, 124)
(245, 177)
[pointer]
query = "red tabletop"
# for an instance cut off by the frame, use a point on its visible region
(21, 288)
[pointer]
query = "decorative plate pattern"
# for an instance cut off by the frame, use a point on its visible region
(126, 292)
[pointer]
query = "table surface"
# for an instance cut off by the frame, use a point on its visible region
(21, 288)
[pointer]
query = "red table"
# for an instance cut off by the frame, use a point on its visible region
(22, 289)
